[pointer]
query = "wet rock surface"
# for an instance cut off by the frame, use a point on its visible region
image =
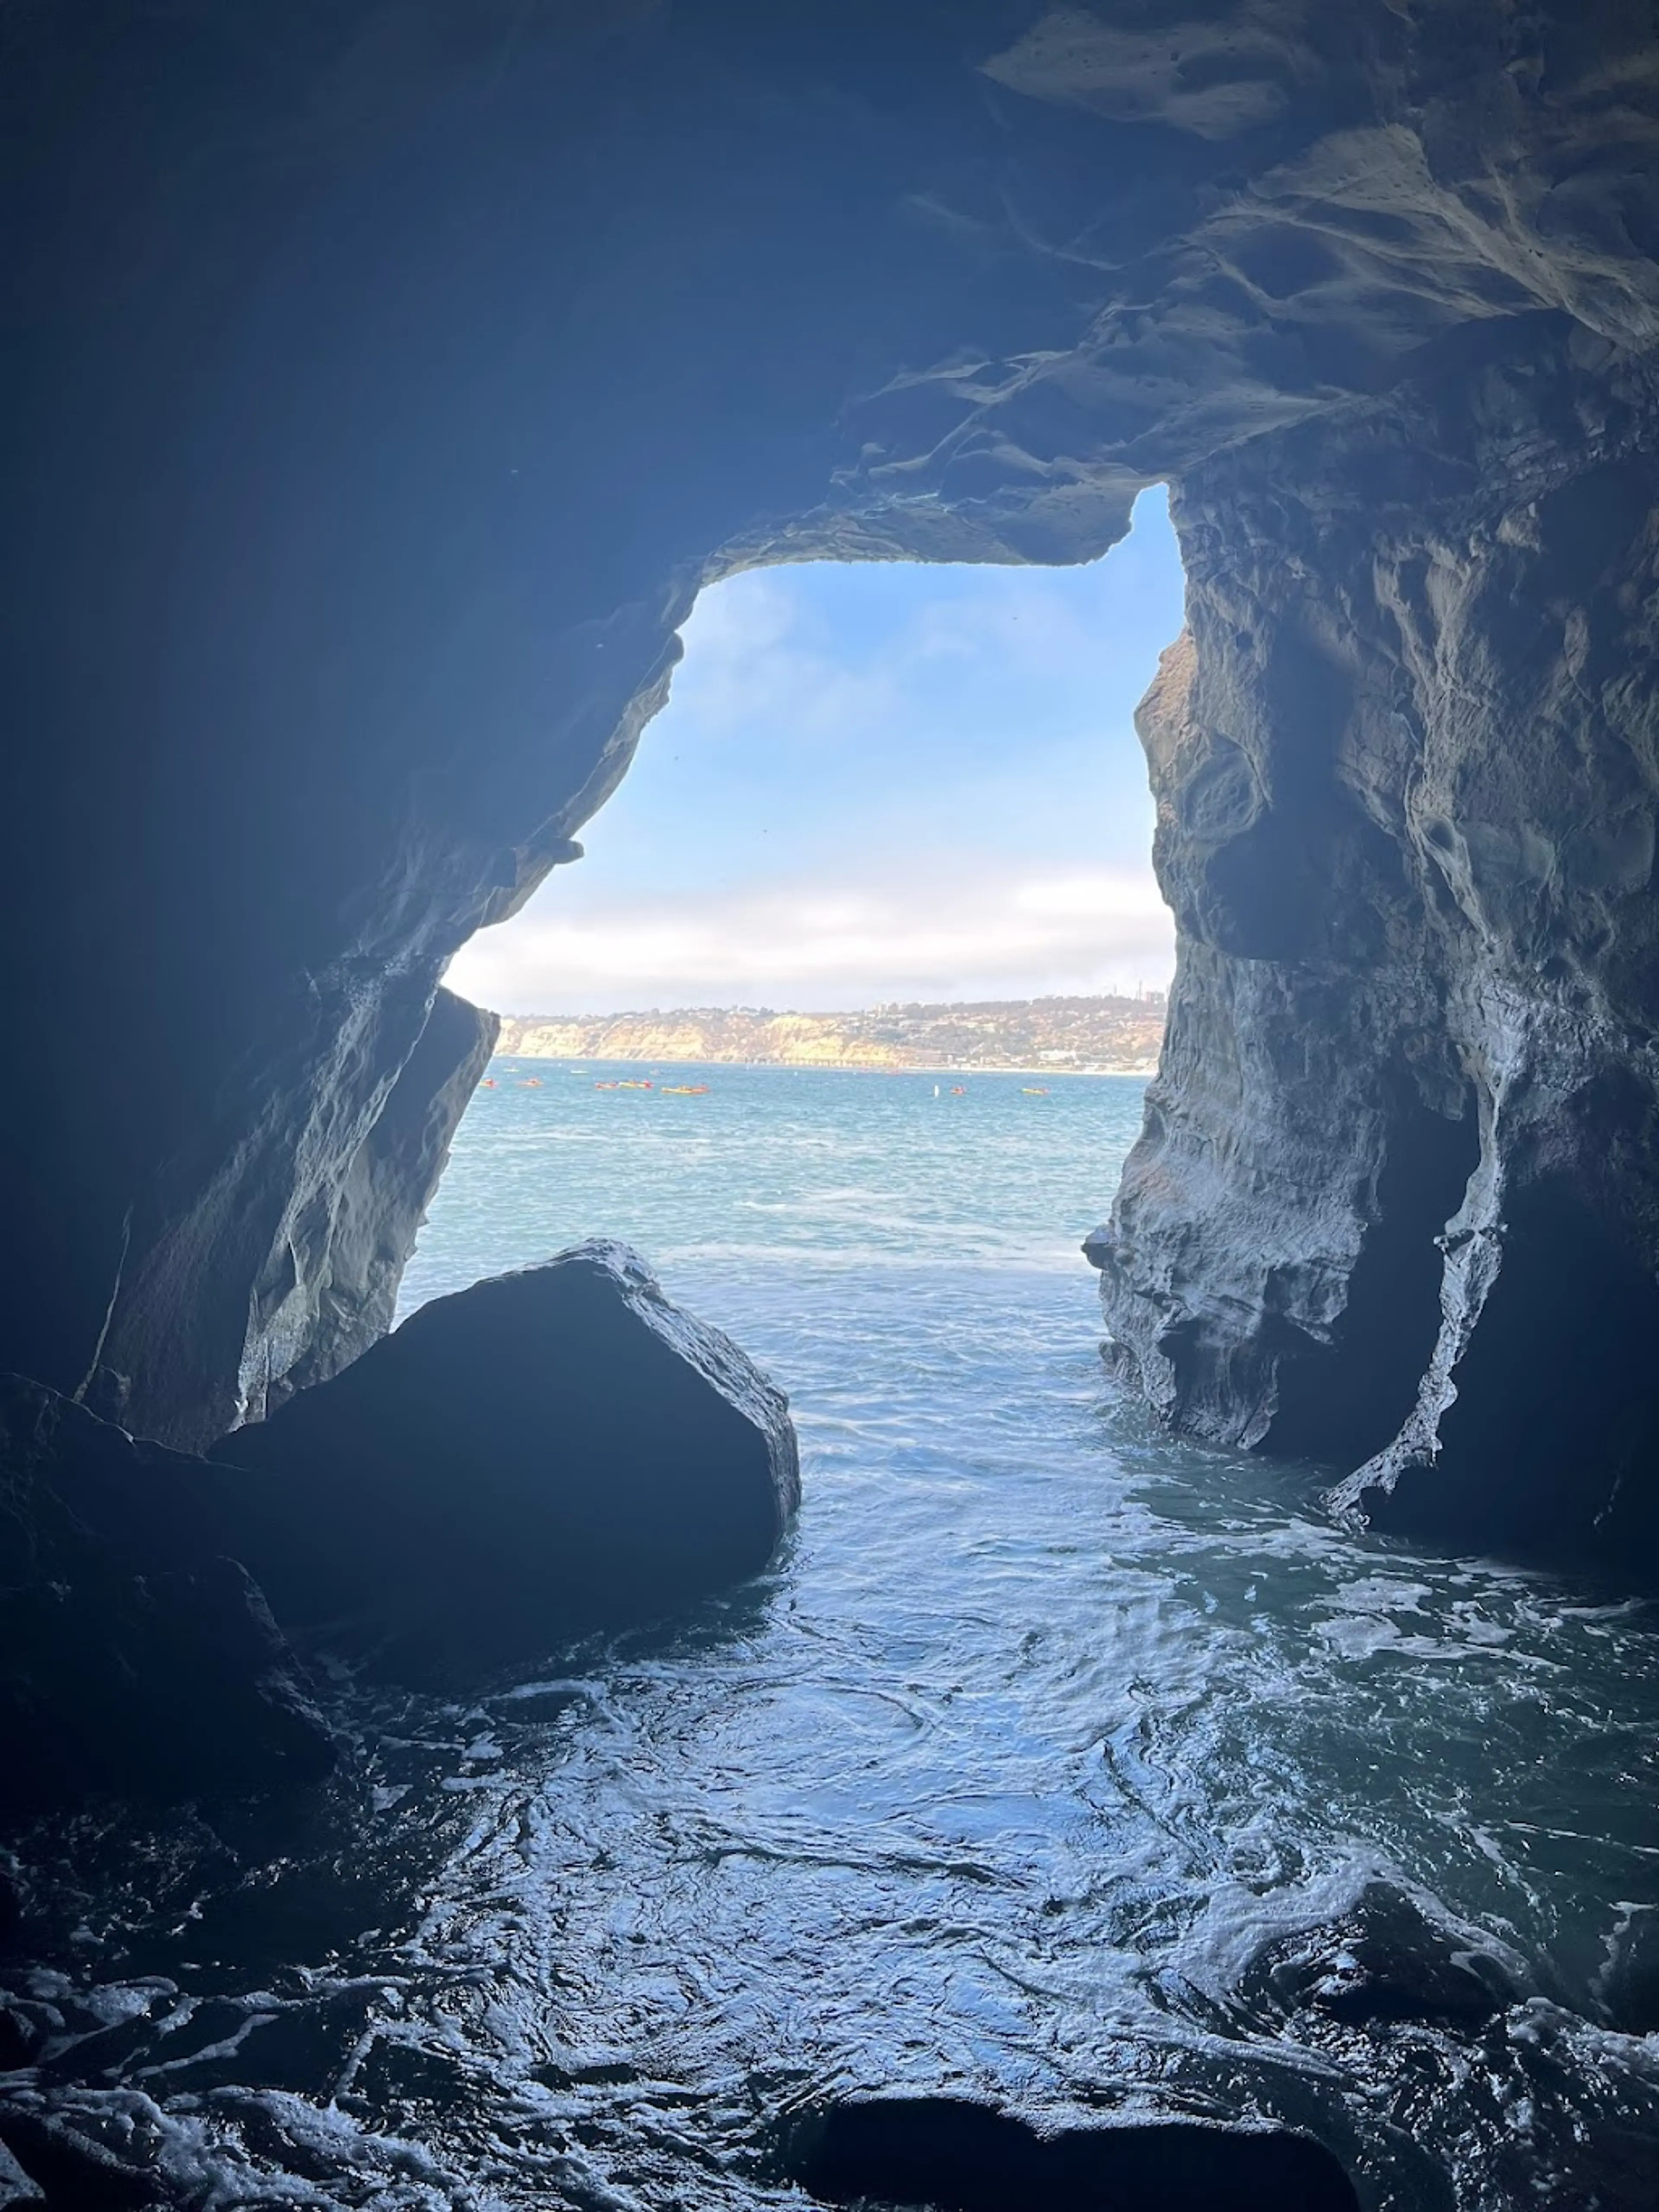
(134, 1655)
(1395, 1203)
(1384, 1962)
(957, 2156)
(1630, 1987)
(62, 2167)
(16, 2187)
(542, 1452)
(353, 1289)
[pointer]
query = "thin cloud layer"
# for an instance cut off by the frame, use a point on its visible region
(873, 783)
(820, 946)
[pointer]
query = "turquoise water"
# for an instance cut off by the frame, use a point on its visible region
(1043, 1732)
(779, 1175)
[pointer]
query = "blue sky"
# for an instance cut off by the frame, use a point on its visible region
(871, 782)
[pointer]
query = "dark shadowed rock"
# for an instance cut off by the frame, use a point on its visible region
(163, 1684)
(1382, 1962)
(957, 2156)
(1098, 1245)
(18, 2040)
(12, 1912)
(16, 2188)
(134, 1655)
(1630, 1985)
(547, 1451)
(72, 2170)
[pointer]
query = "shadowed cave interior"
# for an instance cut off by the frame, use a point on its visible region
(382, 383)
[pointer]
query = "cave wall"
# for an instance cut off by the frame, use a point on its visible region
(1397, 1203)
(341, 1287)
(382, 381)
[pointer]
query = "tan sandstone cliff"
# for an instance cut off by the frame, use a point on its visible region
(1118, 1035)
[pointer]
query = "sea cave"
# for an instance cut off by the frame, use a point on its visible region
(450, 1765)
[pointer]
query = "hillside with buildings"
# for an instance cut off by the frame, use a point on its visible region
(1102, 1035)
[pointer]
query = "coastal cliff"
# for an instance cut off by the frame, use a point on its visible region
(1108, 1034)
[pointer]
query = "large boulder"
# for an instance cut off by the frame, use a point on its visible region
(135, 1655)
(548, 1451)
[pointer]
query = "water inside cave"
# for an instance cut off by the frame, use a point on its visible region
(1056, 1763)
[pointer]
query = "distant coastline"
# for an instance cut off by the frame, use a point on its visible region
(1102, 1035)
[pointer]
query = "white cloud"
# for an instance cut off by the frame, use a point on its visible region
(910, 784)
(1104, 896)
(956, 931)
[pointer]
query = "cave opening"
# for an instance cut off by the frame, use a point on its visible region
(893, 819)
(382, 382)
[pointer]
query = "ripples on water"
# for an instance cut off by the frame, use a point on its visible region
(1042, 1729)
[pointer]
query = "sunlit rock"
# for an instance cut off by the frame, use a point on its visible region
(1396, 1204)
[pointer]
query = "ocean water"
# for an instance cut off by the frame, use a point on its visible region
(1048, 1764)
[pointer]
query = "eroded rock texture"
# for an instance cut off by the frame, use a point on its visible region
(346, 1293)
(382, 382)
(1397, 1201)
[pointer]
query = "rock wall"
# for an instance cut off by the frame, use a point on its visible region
(1397, 1203)
(384, 378)
(349, 1289)
(283, 1259)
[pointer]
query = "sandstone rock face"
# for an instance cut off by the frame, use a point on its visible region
(545, 1453)
(1397, 1201)
(383, 382)
(288, 1261)
(1093, 1032)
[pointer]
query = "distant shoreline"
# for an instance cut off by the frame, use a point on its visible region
(1108, 1034)
(580, 1066)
